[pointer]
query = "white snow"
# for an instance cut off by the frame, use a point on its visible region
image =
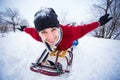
(94, 59)
(43, 12)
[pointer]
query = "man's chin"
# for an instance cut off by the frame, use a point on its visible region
(51, 44)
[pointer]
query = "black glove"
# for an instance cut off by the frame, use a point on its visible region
(104, 19)
(21, 28)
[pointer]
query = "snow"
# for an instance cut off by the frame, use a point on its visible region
(43, 13)
(94, 59)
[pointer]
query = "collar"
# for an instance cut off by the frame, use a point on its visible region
(60, 37)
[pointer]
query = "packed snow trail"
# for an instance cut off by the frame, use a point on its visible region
(94, 59)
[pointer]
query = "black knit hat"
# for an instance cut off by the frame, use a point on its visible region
(45, 18)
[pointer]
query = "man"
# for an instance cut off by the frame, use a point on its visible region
(56, 36)
(47, 29)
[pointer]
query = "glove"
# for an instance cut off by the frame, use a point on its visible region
(21, 28)
(104, 19)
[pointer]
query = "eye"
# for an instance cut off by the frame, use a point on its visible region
(43, 32)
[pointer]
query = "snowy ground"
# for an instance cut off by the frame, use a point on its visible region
(94, 59)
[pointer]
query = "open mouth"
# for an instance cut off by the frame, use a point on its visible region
(51, 42)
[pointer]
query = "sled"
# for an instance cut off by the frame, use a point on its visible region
(53, 68)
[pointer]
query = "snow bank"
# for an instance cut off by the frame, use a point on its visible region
(94, 59)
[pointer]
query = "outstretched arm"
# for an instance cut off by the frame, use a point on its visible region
(80, 31)
(33, 33)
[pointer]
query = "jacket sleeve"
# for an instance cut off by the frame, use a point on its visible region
(34, 34)
(80, 31)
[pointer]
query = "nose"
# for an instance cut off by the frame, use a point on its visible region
(50, 36)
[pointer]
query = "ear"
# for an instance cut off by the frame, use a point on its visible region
(42, 39)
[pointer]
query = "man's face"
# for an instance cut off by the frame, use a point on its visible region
(50, 35)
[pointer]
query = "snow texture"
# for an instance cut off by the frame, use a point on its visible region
(94, 59)
(43, 13)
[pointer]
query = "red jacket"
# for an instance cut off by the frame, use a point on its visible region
(70, 34)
